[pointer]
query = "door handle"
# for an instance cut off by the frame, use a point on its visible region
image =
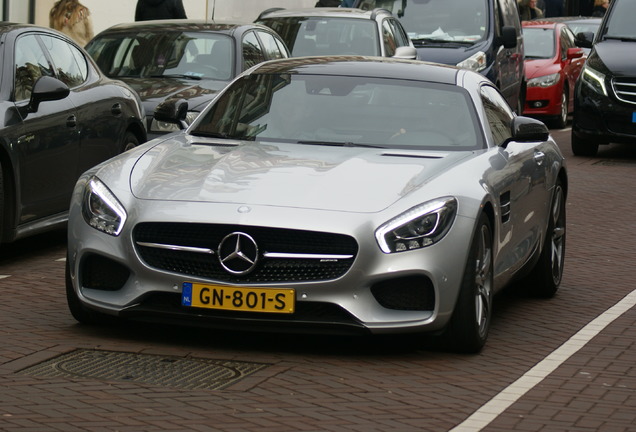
(116, 109)
(71, 121)
(539, 157)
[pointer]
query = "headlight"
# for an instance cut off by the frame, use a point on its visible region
(101, 209)
(418, 227)
(157, 126)
(476, 62)
(594, 79)
(544, 81)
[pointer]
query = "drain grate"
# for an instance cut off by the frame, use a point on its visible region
(179, 372)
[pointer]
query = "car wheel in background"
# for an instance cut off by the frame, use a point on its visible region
(562, 119)
(545, 277)
(582, 147)
(130, 141)
(468, 328)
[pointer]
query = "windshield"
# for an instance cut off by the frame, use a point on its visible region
(327, 36)
(620, 24)
(347, 111)
(583, 27)
(438, 20)
(149, 54)
(539, 43)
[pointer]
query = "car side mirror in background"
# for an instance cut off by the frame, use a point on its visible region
(526, 129)
(508, 36)
(47, 88)
(172, 111)
(405, 52)
(584, 39)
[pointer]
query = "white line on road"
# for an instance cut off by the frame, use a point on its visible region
(498, 404)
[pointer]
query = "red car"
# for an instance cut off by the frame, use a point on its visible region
(553, 63)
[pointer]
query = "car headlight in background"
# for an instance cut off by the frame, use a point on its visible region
(418, 227)
(158, 126)
(476, 62)
(101, 209)
(544, 81)
(594, 79)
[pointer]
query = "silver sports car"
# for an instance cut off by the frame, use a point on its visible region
(334, 194)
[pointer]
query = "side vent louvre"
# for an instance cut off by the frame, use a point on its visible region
(504, 203)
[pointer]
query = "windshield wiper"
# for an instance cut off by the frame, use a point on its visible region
(212, 135)
(621, 38)
(194, 77)
(339, 144)
(433, 41)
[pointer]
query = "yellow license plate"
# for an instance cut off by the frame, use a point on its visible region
(211, 296)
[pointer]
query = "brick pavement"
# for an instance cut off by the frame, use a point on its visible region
(334, 384)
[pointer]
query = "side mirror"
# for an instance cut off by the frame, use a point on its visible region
(574, 53)
(526, 129)
(47, 88)
(509, 36)
(172, 111)
(405, 52)
(584, 39)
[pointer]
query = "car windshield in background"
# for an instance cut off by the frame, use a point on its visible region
(347, 111)
(539, 43)
(440, 20)
(583, 27)
(621, 24)
(327, 36)
(147, 54)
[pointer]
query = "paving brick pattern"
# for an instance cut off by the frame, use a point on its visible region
(317, 383)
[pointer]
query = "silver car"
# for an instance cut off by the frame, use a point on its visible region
(343, 194)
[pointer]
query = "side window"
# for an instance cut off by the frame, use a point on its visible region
(70, 65)
(400, 36)
(498, 113)
(272, 50)
(30, 64)
(388, 39)
(567, 41)
(252, 52)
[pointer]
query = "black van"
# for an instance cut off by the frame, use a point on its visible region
(482, 35)
(605, 93)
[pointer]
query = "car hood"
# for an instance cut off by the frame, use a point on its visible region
(446, 54)
(618, 56)
(286, 175)
(540, 67)
(152, 91)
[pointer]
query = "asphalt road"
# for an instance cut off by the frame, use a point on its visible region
(563, 364)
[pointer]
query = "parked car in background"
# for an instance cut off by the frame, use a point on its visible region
(60, 116)
(605, 96)
(579, 24)
(481, 35)
(553, 64)
(335, 31)
(181, 60)
(342, 194)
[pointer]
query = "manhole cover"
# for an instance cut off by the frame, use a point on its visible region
(179, 372)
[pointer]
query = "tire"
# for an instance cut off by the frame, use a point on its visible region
(79, 311)
(562, 119)
(469, 326)
(130, 141)
(2, 205)
(545, 277)
(581, 147)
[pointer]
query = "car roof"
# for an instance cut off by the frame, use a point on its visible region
(568, 19)
(377, 67)
(540, 24)
(322, 13)
(183, 25)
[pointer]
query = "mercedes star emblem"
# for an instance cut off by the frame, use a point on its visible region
(238, 253)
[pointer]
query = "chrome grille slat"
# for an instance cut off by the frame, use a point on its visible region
(625, 89)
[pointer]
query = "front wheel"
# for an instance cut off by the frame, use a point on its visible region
(545, 278)
(581, 147)
(469, 326)
(130, 141)
(562, 120)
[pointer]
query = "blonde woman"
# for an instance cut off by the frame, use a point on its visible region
(73, 19)
(600, 6)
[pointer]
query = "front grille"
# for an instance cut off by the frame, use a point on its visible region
(405, 293)
(625, 89)
(277, 241)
